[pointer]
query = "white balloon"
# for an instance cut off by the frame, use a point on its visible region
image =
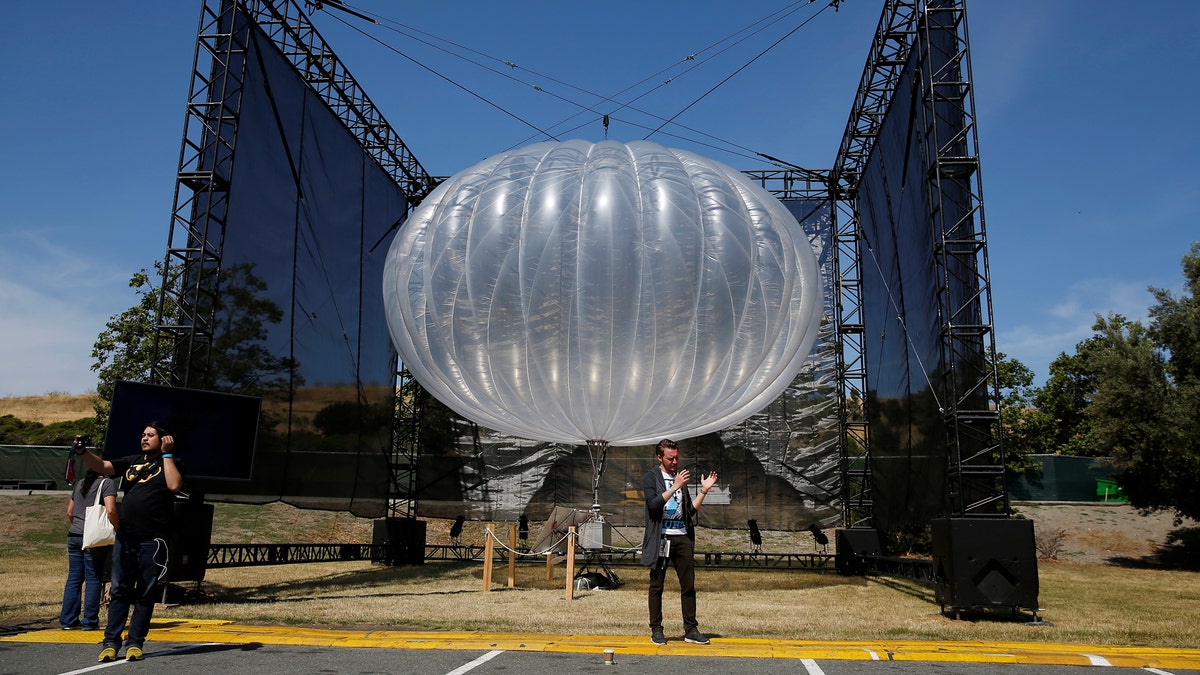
(573, 291)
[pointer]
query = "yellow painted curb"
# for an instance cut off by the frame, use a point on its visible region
(1041, 653)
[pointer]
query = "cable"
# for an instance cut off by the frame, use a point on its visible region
(447, 79)
(903, 326)
(779, 14)
(750, 31)
(743, 67)
(161, 548)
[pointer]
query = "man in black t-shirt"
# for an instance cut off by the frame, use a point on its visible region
(139, 562)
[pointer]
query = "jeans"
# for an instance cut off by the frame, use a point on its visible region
(83, 576)
(136, 567)
(682, 557)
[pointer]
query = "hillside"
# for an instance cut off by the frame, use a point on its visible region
(49, 408)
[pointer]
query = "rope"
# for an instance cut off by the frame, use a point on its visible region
(549, 549)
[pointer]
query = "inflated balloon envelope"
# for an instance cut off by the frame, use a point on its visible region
(577, 291)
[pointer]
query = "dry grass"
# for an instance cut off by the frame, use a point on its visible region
(50, 408)
(1096, 603)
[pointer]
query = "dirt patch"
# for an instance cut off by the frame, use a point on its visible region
(1100, 533)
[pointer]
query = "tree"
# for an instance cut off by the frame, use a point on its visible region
(1175, 324)
(241, 361)
(1063, 402)
(1145, 393)
(1175, 330)
(1133, 411)
(1023, 430)
(1130, 392)
(15, 431)
(124, 350)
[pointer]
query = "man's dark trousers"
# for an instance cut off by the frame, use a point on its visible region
(682, 558)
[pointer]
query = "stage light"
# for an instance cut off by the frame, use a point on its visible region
(755, 536)
(819, 537)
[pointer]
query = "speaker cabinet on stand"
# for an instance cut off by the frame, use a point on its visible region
(985, 563)
(402, 541)
(187, 546)
(852, 545)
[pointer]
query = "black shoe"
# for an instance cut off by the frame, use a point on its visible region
(657, 637)
(695, 637)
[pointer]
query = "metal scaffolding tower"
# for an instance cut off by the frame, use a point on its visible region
(935, 30)
(187, 303)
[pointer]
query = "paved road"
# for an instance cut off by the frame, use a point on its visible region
(183, 647)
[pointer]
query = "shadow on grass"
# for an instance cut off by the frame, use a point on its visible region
(995, 615)
(334, 586)
(1181, 551)
(925, 592)
(383, 582)
(921, 590)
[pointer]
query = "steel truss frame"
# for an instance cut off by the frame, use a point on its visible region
(191, 271)
(885, 64)
(970, 381)
(971, 413)
(183, 339)
(886, 60)
(257, 555)
(849, 359)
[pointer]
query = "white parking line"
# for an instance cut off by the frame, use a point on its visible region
(121, 662)
(812, 667)
(476, 663)
(98, 666)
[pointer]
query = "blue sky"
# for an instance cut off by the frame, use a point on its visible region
(1088, 159)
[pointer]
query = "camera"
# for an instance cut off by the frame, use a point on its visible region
(83, 441)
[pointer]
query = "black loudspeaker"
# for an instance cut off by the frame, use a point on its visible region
(855, 542)
(403, 538)
(985, 563)
(187, 547)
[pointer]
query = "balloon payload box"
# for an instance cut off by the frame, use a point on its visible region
(595, 536)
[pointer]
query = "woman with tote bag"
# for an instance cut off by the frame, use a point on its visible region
(85, 566)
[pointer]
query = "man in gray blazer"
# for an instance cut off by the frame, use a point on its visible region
(670, 537)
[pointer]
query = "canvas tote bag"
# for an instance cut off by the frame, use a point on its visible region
(98, 530)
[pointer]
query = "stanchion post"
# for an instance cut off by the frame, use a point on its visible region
(512, 555)
(571, 563)
(550, 566)
(489, 550)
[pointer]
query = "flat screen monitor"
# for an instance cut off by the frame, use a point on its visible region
(215, 433)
